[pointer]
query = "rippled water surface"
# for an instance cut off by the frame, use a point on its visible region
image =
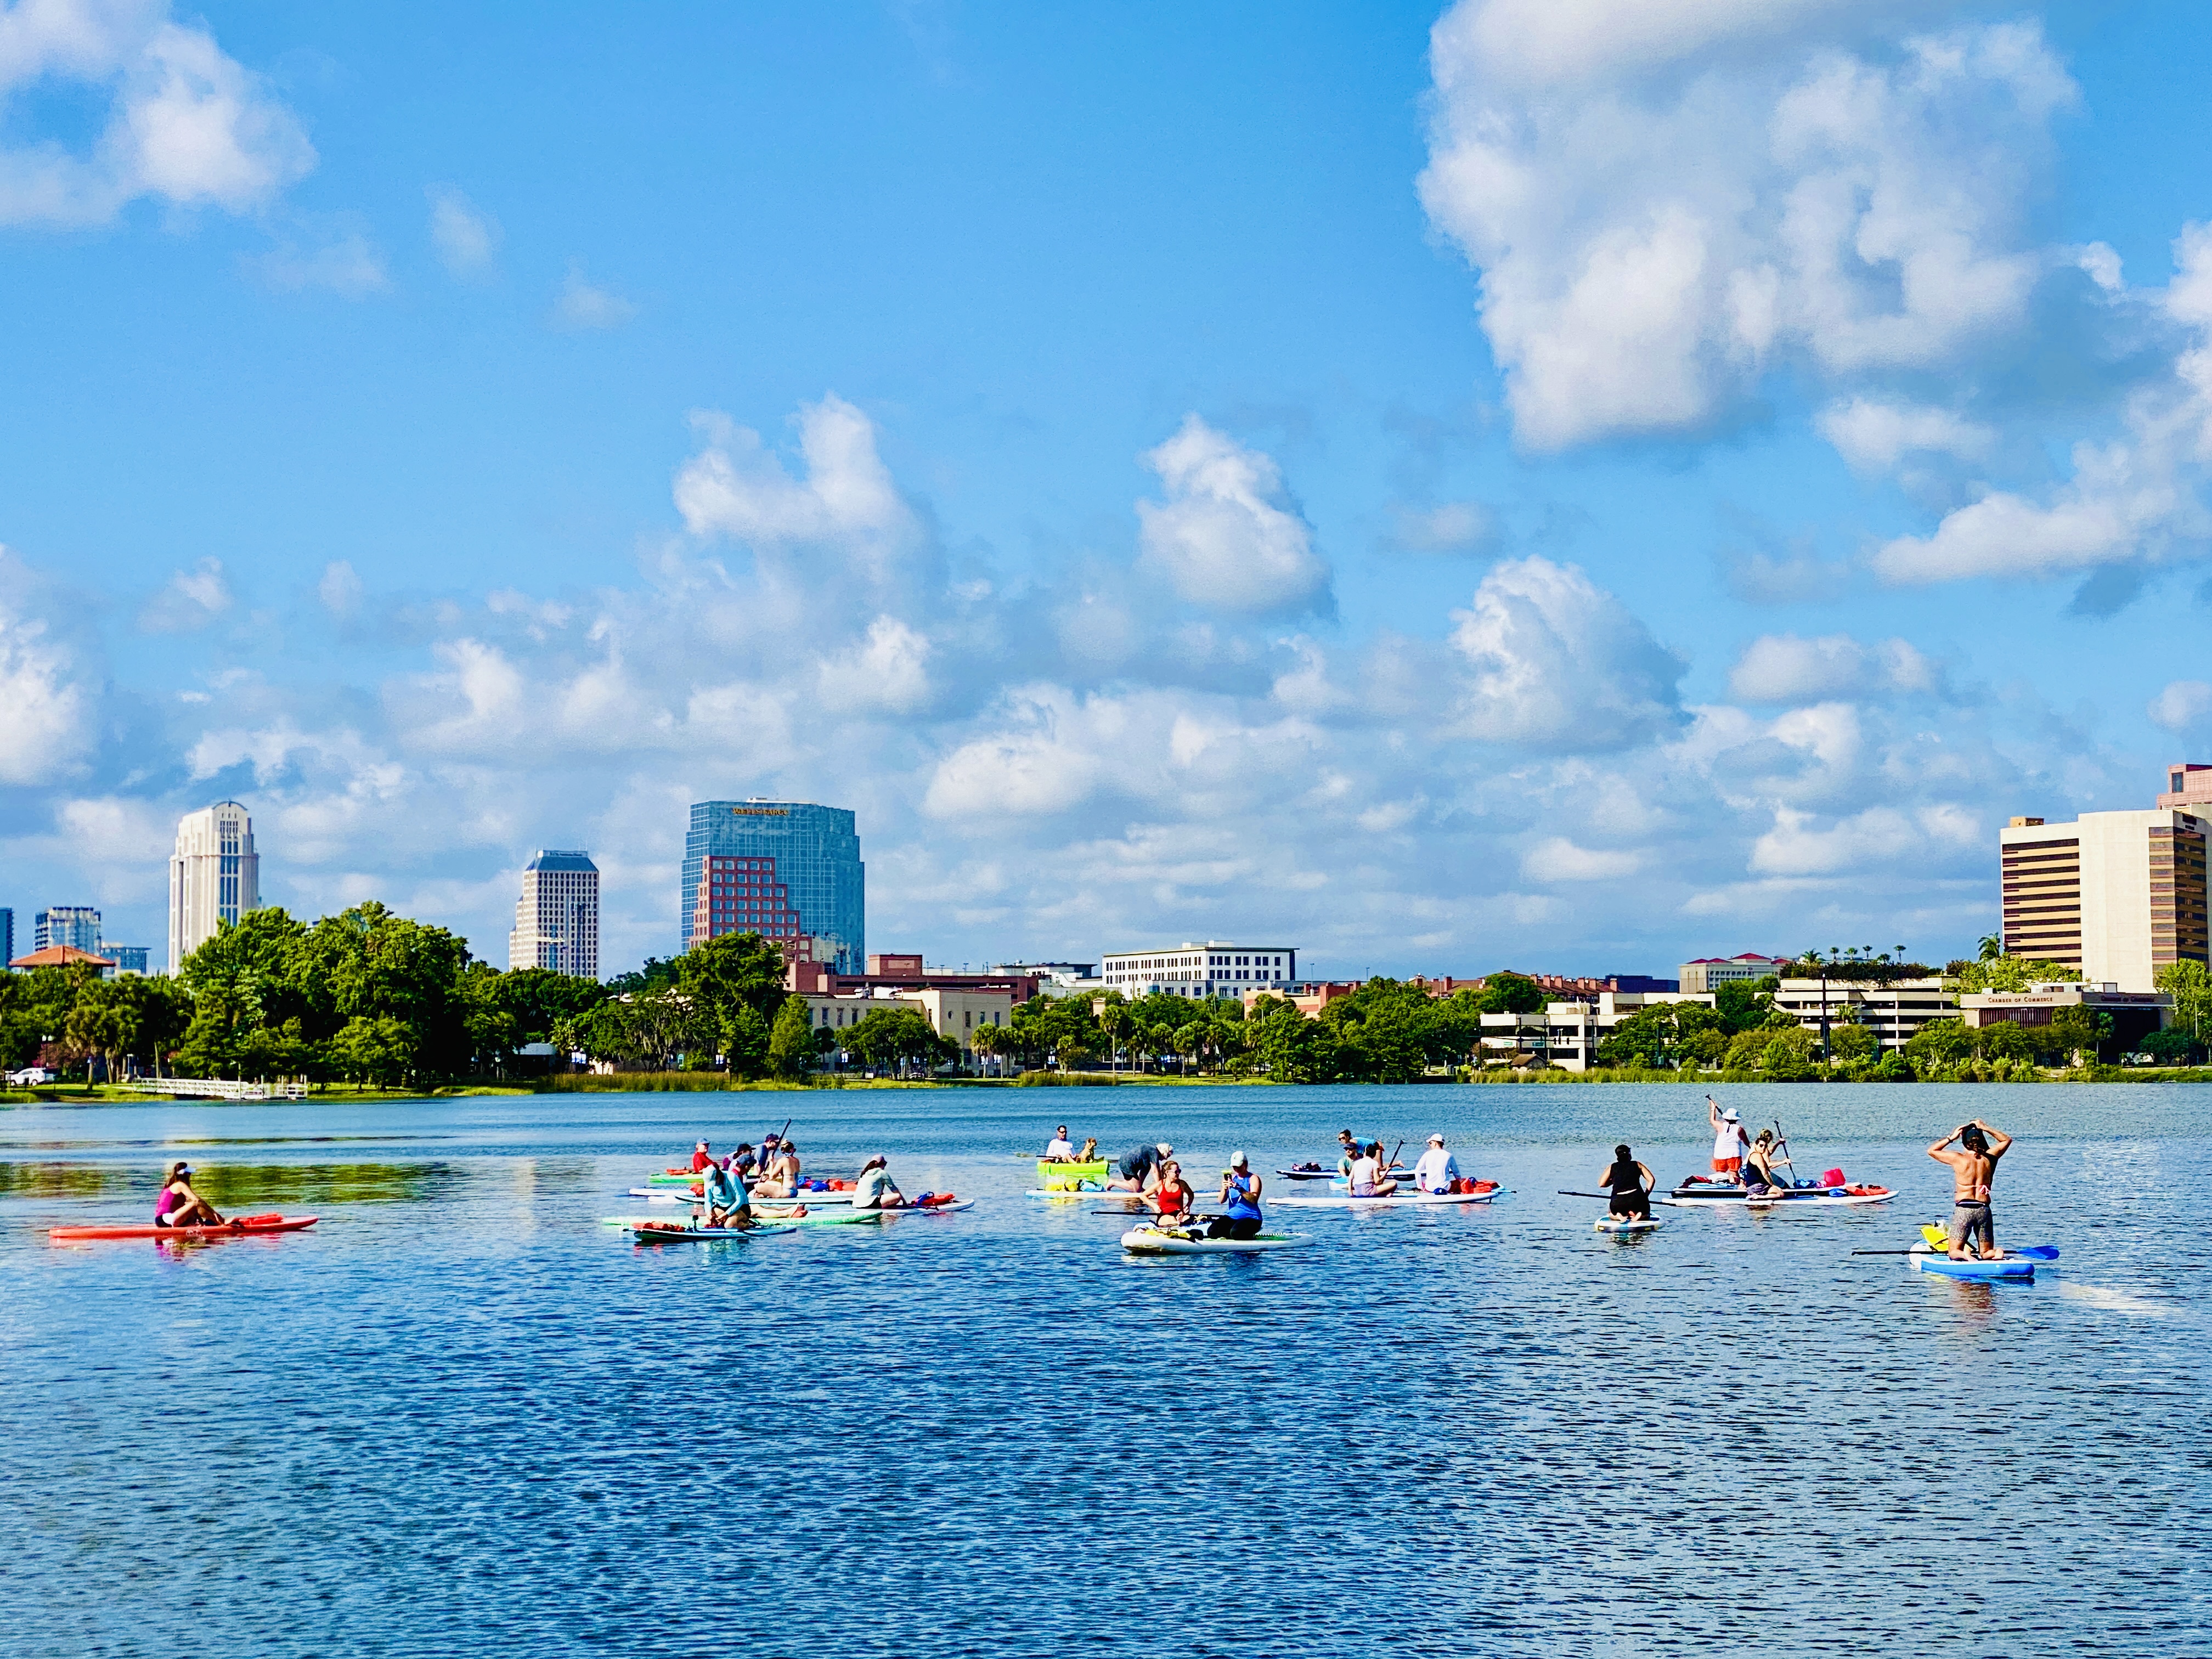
(461, 1416)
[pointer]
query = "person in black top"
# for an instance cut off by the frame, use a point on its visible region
(1140, 1169)
(1630, 1184)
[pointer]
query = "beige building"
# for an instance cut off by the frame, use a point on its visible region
(556, 920)
(1211, 968)
(1891, 1012)
(2118, 896)
(214, 876)
(1711, 973)
(1566, 1034)
(2133, 1014)
(957, 1014)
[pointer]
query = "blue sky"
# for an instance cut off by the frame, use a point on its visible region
(1574, 485)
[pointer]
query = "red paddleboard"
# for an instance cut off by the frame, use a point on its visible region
(237, 1228)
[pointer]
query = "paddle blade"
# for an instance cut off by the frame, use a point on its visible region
(2038, 1252)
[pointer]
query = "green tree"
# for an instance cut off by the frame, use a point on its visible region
(1507, 993)
(1937, 1044)
(378, 1051)
(2171, 1047)
(1788, 1056)
(2009, 973)
(791, 1041)
(1744, 1004)
(2189, 985)
(2080, 1031)
(1853, 1042)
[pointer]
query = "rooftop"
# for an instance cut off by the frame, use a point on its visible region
(553, 858)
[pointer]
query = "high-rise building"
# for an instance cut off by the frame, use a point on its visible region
(6, 935)
(2119, 895)
(783, 869)
(128, 958)
(77, 925)
(557, 920)
(214, 876)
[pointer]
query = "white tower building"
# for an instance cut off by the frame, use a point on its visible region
(557, 920)
(214, 876)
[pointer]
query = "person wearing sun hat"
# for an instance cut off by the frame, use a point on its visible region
(1729, 1142)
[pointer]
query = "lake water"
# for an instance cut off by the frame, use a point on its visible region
(460, 1416)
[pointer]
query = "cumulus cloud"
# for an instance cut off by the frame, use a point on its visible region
(466, 238)
(1556, 859)
(1780, 668)
(48, 728)
(1665, 200)
(2183, 705)
(583, 306)
(193, 600)
(1873, 436)
(888, 669)
(179, 120)
(1879, 837)
(340, 589)
(1556, 661)
(1227, 535)
(336, 257)
(736, 487)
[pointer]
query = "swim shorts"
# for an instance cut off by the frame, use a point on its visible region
(1971, 1225)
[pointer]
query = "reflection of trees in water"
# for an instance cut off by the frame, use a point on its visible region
(231, 1186)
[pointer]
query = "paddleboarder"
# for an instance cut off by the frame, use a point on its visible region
(1240, 1198)
(1366, 1178)
(1438, 1171)
(779, 1171)
(1629, 1184)
(726, 1203)
(1140, 1169)
(1973, 1167)
(1729, 1142)
(1172, 1197)
(874, 1189)
(702, 1159)
(179, 1205)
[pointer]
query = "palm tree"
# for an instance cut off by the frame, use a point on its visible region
(1992, 946)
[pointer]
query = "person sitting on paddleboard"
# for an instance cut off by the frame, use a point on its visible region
(1059, 1149)
(779, 1170)
(1973, 1167)
(1173, 1196)
(726, 1203)
(179, 1205)
(1438, 1170)
(1140, 1169)
(1758, 1163)
(874, 1189)
(1349, 1149)
(1365, 1174)
(1630, 1183)
(1240, 1197)
(1729, 1142)
(744, 1163)
(700, 1159)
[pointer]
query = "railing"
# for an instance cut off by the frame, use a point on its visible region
(213, 1088)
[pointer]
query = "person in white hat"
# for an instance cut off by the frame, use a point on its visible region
(1438, 1170)
(1240, 1196)
(1729, 1142)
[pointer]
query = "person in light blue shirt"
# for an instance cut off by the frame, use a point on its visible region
(1240, 1197)
(726, 1203)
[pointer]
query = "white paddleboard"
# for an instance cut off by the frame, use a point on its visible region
(1346, 1202)
(1621, 1226)
(1146, 1241)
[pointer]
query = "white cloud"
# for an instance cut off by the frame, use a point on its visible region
(1447, 527)
(582, 305)
(340, 589)
(888, 670)
(1556, 859)
(336, 257)
(736, 487)
(1055, 756)
(181, 122)
(1784, 668)
(1557, 662)
(2182, 706)
(467, 237)
(193, 600)
(47, 730)
(1873, 436)
(1879, 837)
(1664, 200)
(1227, 536)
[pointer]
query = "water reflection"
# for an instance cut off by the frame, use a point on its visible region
(231, 1186)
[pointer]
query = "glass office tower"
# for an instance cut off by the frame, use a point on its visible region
(783, 869)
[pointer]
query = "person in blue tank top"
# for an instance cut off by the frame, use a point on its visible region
(1240, 1197)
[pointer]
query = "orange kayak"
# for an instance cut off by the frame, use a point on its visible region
(237, 1228)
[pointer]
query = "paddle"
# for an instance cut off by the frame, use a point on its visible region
(2027, 1252)
(1666, 1203)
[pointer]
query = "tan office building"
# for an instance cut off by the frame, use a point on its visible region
(2118, 896)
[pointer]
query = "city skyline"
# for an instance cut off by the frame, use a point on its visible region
(1227, 510)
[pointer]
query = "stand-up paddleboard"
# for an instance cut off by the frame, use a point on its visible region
(1781, 1197)
(1150, 1241)
(658, 1195)
(1070, 1194)
(846, 1216)
(1624, 1226)
(953, 1208)
(1310, 1175)
(1926, 1260)
(1346, 1202)
(657, 1234)
(241, 1227)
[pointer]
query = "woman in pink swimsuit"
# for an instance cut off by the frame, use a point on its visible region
(179, 1205)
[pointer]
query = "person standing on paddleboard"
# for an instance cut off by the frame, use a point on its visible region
(1973, 1167)
(1140, 1169)
(1729, 1142)
(1437, 1170)
(179, 1205)
(1630, 1184)
(1240, 1197)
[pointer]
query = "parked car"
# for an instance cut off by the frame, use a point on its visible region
(31, 1077)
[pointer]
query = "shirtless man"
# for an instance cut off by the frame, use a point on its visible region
(1973, 1166)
